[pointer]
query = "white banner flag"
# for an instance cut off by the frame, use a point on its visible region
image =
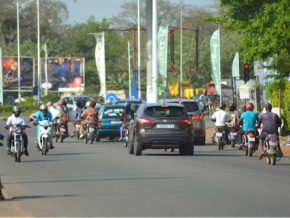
(100, 61)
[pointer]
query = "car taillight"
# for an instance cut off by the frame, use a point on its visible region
(199, 117)
(92, 125)
(62, 126)
(78, 122)
(164, 106)
(145, 121)
(273, 139)
(251, 135)
(233, 130)
(99, 122)
(219, 129)
(184, 121)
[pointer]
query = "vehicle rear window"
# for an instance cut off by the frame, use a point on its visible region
(133, 105)
(161, 111)
(190, 106)
(112, 112)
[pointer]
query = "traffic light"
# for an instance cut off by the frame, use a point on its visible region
(246, 72)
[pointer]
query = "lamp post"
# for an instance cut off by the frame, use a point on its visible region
(181, 73)
(18, 48)
(139, 51)
(38, 50)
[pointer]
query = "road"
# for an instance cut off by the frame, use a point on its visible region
(102, 179)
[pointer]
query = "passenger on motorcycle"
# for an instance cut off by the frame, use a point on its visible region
(13, 120)
(249, 118)
(126, 116)
(234, 115)
(270, 123)
(41, 115)
(221, 117)
(79, 111)
(89, 115)
(64, 116)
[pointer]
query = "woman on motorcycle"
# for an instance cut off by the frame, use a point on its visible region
(79, 111)
(89, 115)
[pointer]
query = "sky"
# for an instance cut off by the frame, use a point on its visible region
(81, 10)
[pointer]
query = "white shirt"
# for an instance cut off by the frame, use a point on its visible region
(13, 121)
(221, 117)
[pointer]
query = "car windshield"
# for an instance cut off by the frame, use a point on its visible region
(112, 112)
(190, 106)
(82, 99)
(165, 111)
(133, 105)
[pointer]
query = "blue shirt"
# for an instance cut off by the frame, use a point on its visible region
(249, 118)
(40, 117)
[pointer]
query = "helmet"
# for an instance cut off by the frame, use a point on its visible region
(64, 103)
(127, 105)
(101, 98)
(109, 101)
(93, 104)
(268, 107)
(43, 107)
(88, 104)
(79, 104)
(222, 105)
(16, 108)
(249, 106)
(232, 107)
(243, 108)
(60, 103)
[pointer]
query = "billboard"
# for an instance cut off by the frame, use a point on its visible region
(246, 93)
(10, 73)
(65, 74)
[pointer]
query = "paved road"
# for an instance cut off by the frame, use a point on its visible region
(102, 179)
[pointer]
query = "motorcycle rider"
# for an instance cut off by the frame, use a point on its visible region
(89, 115)
(270, 124)
(220, 117)
(126, 116)
(79, 111)
(249, 118)
(13, 120)
(41, 115)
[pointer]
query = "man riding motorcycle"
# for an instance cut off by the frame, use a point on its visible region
(125, 117)
(13, 120)
(79, 111)
(270, 124)
(249, 118)
(41, 115)
(89, 115)
(220, 117)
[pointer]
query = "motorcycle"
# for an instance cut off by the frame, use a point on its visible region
(44, 138)
(77, 128)
(60, 132)
(90, 132)
(232, 136)
(250, 142)
(272, 154)
(220, 138)
(125, 134)
(17, 145)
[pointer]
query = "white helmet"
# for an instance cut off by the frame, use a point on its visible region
(109, 101)
(43, 107)
(88, 104)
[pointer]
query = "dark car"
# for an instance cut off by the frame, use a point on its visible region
(134, 103)
(161, 126)
(197, 118)
(108, 121)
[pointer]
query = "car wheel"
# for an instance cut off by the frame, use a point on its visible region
(199, 141)
(137, 147)
(189, 149)
(182, 150)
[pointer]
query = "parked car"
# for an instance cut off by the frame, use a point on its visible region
(108, 121)
(71, 104)
(161, 126)
(197, 118)
(135, 103)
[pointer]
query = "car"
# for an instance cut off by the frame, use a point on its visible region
(194, 111)
(71, 104)
(135, 103)
(161, 126)
(108, 121)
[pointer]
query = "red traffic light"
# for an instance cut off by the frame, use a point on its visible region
(246, 66)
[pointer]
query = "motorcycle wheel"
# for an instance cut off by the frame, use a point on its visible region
(247, 151)
(78, 135)
(273, 160)
(18, 154)
(56, 138)
(86, 139)
(91, 137)
(220, 145)
(44, 146)
(61, 138)
(233, 143)
(268, 161)
(250, 153)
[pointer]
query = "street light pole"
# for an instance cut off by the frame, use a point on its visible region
(38, 50)
(18, 54)
(181, 73)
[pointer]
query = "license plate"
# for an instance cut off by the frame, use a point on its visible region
(115, 121)
(165, 126)
(251, 139)
(62, 129)
(219, 134)
(233, 133)
(91, 129)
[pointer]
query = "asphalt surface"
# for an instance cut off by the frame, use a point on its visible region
(102, 179)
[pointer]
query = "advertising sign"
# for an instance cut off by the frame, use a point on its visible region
(251, 94)
(10, 73)
(65, 74)
(244, 91)
(215, 60)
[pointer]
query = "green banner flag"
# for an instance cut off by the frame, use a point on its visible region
(235, 66)
(162, 41)
(215, 60)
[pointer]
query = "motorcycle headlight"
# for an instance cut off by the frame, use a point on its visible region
(17, 130)
(45, 127)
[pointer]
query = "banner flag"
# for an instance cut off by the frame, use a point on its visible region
(236, 66)
(100, 61)
(134, 91)
(215, 60)
(162, 45)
